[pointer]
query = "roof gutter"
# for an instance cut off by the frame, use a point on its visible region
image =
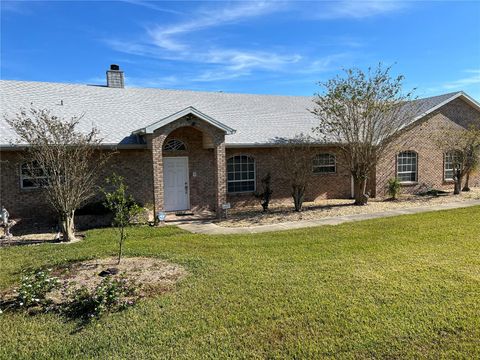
(8, 147)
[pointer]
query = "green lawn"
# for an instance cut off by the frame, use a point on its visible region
(404, 287)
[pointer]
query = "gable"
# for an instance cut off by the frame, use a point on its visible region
(461, 112)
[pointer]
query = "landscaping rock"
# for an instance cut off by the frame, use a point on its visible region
(108, 272)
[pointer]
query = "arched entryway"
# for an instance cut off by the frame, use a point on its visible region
(195, 172)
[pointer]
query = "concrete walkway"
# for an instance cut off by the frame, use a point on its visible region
(206, 227)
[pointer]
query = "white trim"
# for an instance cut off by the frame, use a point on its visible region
(189, 110)
(26, 177)
(453, 162)
(188, 181)
(397, 173)
(254, 175)
(324, 166)
(173, 150)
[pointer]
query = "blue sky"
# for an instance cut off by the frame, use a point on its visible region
(273, 47)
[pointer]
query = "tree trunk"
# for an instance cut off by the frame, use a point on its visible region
(466, 187)
(458, 183)
(359, 187)
(458, 186)
(67, 227)
(120, 247)
(298, 194)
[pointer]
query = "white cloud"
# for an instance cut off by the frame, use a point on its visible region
(151, 5)
(18, 7)
(179, 41)
(356, 9)
(173, 42)
(472, 79)
(167, 37)
(469, 83)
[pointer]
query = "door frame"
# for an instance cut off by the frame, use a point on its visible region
(188, 179)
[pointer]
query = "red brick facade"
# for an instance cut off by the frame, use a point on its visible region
(207, 156)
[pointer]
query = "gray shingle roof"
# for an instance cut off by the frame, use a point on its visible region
(257, 119)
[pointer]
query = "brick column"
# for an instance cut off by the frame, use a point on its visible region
(220, 176)
(157, 167)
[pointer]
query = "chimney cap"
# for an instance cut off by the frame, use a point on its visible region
(114, 67)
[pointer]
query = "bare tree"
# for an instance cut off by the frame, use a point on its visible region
(462, 146)
(296, 159)
(360, 112)
(63, 161)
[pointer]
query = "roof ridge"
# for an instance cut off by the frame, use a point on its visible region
(152, 89)
(220, 93)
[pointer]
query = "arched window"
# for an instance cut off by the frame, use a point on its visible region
(241, 174)
(324, 164)
(174, 145)
(407, 167)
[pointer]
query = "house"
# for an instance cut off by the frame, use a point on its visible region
(187, 150)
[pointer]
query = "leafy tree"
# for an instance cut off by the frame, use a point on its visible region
(68, 160)
(360, 112)
(123, 207)
(464, 147)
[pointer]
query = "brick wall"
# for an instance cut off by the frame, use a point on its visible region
(319, 186)
(134, 165)
(423, 139)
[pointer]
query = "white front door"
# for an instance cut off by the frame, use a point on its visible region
(175, 183)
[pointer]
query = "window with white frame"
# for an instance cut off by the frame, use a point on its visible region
(407, 166)
(174, 145)
(32, 176)
(324, 164)
(450, 162)
(240, 174)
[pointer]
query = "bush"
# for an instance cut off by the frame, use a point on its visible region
(110, 295)
(34, 287)
(393, 188)
(266, 195)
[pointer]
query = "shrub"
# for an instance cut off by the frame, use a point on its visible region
(34, 287)
(266, 195)
(393, 188)
(110, 295)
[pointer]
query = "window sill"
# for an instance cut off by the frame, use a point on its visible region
(328, 174)
(241, 193)
(30, 189)
(408, 183)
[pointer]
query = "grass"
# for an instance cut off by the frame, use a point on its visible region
(403, 287)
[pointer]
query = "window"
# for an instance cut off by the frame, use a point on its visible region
(324, 164)
(174, 145)
(451, 160)
(32, 176)
(407, 166)
(241, 174)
